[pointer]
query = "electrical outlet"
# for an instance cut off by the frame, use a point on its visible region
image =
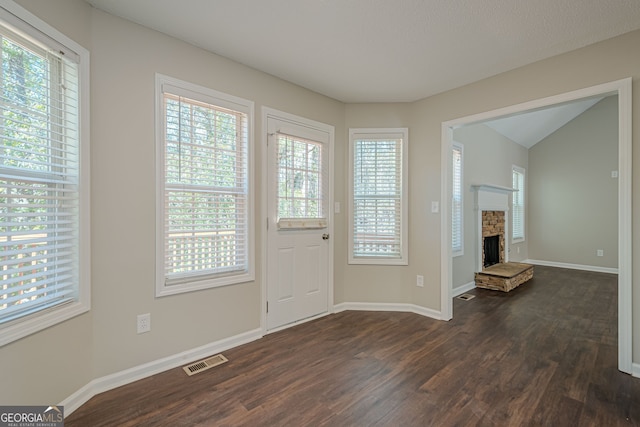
(144, 323)
(420, 281)
(600, 252)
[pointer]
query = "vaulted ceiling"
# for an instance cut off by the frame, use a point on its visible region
(531, 127)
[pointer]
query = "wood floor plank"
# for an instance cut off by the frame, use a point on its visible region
(544, 354)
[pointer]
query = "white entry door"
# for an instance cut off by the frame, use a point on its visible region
(298, 234)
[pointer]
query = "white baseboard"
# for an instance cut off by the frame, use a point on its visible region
(572, 266)
(117, 379)
(635, 370)
(371, 306)
(462, 289)
(109, 382)
(78, 398)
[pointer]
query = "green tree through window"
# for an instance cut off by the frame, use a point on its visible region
(39, 172)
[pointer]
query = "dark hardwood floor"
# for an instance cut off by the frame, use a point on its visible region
(544, 354)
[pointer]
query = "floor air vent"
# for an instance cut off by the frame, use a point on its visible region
(466, 297)
(205, 364)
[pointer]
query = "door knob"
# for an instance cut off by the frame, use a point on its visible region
(325, 236)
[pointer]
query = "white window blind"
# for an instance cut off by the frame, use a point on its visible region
(39, 177)
(378, 200)
(518, 203)
(457, 202)
(204, 216)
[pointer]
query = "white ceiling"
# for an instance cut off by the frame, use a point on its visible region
(383, 50)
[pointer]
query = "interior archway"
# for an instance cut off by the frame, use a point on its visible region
(621, 88)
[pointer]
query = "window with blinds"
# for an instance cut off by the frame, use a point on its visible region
(378, 199)
(518, 204)
(457, 240)
(43, 228)
(204, 218)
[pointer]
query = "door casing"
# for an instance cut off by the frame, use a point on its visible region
(267, 113)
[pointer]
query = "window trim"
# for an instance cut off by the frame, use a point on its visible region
(381, 133)
(220, 99)
(522, 171)
(44, 33)
(460, 252)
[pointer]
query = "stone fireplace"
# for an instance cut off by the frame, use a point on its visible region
(494, 271)
(493, 241)
(492, 207)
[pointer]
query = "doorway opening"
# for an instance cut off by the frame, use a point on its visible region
(622, 89)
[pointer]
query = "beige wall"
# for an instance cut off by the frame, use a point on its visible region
(124, 59)
(372, 283)
(573, 201)
(488, 159)
(603, 62)
(48, 366)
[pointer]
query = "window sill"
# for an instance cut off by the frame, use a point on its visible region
(378, 261)
(36, 322)
(163, 290)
